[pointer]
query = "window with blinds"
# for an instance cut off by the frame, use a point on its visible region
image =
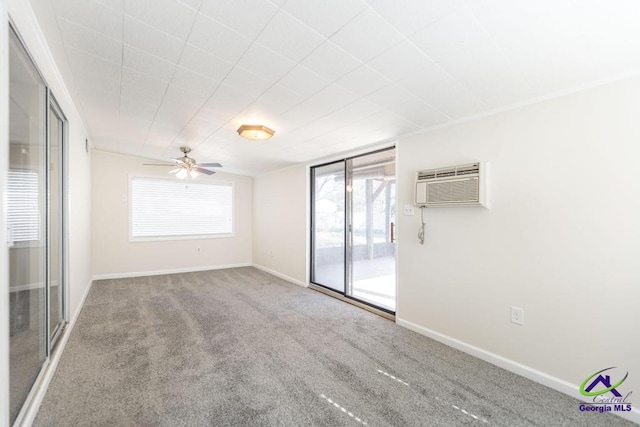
(170, 208)
(23, 208)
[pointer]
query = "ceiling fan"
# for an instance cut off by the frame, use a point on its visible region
(187, 165)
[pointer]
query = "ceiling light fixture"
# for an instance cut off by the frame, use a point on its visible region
(187, 166)
(182, 174)
(256, 132)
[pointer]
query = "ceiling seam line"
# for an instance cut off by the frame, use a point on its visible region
(222, 81)
(64, 48)
(326, 39)
(175, 68)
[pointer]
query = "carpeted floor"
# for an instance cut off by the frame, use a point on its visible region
(239, 347)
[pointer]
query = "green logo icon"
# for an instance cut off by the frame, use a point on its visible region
(605, 381)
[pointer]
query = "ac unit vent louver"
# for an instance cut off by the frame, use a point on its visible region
(426, 174)
(455, 185)
(468, 169)
(443, 173)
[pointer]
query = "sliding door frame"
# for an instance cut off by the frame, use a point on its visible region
(54, 107)
(6, 27)
(4, 251)
(348, 229)
(45, 235)
(312, 220)
(348, 235)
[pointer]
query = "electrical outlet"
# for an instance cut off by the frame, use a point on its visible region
(408, 210)
(517, 315)
(198, 249)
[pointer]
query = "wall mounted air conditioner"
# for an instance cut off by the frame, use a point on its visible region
(464, 185)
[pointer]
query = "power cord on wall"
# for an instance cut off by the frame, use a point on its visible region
(421, 232)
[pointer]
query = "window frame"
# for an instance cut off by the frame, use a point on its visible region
(182, 237)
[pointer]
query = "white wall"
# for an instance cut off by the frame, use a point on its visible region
(114, 255)
(280, 223)
(79, 165)
(561, 240)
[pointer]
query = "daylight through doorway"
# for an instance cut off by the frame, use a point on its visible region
(353, 218)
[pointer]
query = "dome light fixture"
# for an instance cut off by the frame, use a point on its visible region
(255, 132)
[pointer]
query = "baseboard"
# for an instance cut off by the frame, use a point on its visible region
(32, 410)
(510, 365)
(171, 271)
(75, 316)
(280, 275)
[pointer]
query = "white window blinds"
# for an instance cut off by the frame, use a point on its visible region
(165, 208)
(23, 210)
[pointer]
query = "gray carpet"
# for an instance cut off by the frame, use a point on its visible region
(239, 347)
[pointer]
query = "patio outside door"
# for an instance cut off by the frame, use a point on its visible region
(353, 228)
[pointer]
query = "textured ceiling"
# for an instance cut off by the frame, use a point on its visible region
(328, 75)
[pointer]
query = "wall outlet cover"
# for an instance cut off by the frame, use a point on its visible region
(517, 315)
(408, 210)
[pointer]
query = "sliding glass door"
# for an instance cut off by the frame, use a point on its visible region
(329, 226)
(27, 217)
(373, 210)
(353, 213)
(35, 218)
(57, 128)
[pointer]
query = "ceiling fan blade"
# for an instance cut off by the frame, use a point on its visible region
(211, 165)
(177, 160)
(205, 171)
(175, 170)
(157, 164)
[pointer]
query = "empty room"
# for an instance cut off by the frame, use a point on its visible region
(319, 212)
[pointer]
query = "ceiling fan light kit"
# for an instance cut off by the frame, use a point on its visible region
(187, 166)
(255, 132)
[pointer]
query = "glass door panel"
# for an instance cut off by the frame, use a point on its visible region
(328, 226)
(353, 216)
(26, 214)
(372, 189)
(56, 295)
